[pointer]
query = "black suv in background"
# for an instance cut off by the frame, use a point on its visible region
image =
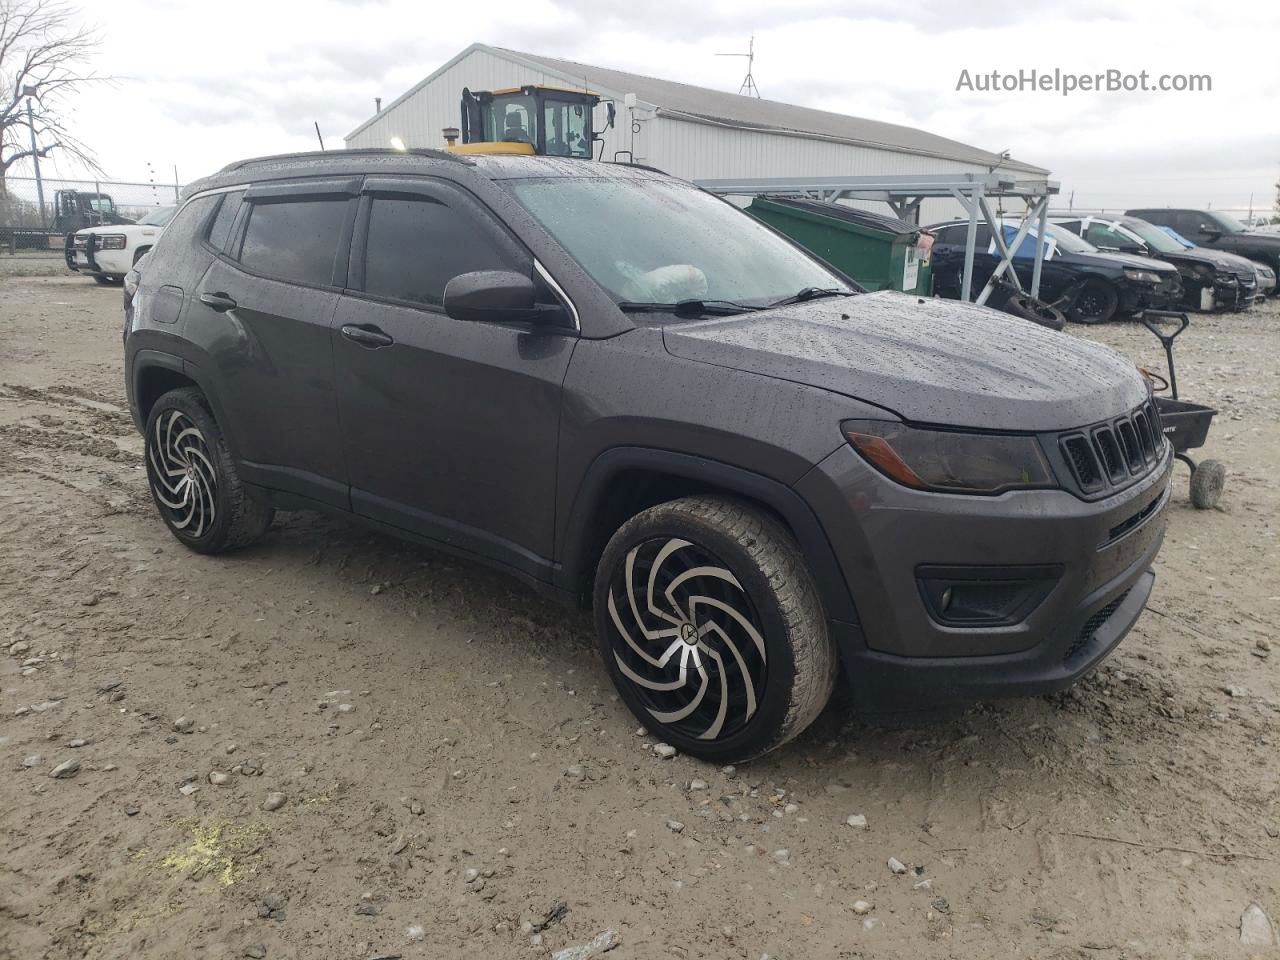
(1105, 284)
(1211, 228)
(632, 395)
(1210, 278)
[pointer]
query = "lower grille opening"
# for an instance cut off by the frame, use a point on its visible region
(1089, 631)
(1124, 526)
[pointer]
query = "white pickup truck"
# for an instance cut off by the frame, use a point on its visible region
(108, 252)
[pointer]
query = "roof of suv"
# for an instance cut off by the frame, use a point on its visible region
(417, 161)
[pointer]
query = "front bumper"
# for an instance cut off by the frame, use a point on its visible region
(1136, 297)
(92, 260)
(899, 656)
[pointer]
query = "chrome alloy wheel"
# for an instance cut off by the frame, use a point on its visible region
(183, 480)
(688, 638)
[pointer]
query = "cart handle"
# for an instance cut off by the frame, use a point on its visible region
(1152, 319)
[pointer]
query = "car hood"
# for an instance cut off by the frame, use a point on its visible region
(929, 361)
(1231, 262)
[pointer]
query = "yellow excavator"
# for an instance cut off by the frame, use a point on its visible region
(529, 120)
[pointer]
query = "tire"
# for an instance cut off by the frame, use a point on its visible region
(1036, 311)
(102, 278)
(1096, 303)
(737, 674)
(194, 481)
(1207, 481)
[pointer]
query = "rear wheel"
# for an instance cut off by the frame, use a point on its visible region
(194, 481)
(711, 628)
(1096, 303)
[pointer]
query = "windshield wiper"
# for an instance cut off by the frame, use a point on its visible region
(811, 293)
(689, 308)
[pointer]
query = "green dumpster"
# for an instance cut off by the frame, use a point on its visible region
(881, 253)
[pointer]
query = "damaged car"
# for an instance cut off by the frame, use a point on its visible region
(1213, 228)
(1211, 279)
(1091, 285)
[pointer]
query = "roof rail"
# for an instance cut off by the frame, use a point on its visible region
(313, 155)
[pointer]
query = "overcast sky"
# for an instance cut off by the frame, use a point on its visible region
(201, 84)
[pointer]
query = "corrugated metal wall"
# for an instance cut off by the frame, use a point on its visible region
(690, 150)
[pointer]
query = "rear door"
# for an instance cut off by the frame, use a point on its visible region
(450, 427)
(266, 307)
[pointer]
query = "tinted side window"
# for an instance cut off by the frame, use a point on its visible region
(294, 239)
(220, 231)
(418, 245)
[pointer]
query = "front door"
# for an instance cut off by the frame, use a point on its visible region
(450, 427)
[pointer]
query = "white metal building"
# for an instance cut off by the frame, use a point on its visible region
(691, 132)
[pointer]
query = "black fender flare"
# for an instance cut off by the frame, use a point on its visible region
(794, 509)
(149, 359)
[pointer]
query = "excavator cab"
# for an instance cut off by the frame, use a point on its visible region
(530, 120)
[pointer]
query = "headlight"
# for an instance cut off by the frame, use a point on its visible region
(1143, 276)
(111, 241)
(950, 461)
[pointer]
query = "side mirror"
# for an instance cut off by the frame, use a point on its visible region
(496, 296)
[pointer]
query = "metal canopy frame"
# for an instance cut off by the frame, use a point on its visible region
(904, 194)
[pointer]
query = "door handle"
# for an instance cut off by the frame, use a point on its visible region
(218, 301)
(366, 336)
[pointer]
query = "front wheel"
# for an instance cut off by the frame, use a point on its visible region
(1096, 303)
(712, 629)
(193, 478)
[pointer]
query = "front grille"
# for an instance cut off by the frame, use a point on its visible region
(1104, 439)
(1128, 435)
(1082, 461)
(1111, 454)
(1089, 629)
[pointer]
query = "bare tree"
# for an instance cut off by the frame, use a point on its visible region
(44, 57)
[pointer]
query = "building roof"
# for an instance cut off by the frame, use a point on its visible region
(703, 105)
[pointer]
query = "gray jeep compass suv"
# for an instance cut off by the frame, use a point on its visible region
(633, 396)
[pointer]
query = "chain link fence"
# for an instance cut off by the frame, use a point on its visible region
(35, 215)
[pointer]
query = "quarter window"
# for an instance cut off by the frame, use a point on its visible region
(418, 245)
(221, 228)
(294, 240)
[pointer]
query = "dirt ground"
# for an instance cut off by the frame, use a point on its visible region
(423, 717)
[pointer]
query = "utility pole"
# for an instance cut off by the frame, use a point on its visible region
(30, 92)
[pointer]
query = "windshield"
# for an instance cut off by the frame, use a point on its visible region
(158, 217)
(1153, 236)
(1177, 236)
(1064, 240)
(660, 241)
(1231, 223)
(1068, 241)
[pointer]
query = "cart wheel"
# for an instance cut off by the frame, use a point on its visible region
(1206, 484)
